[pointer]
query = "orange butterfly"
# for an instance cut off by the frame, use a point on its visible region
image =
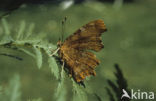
(74, 50)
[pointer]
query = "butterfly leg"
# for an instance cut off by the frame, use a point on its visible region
(55, 51)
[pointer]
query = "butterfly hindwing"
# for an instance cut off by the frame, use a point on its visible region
(73, 51)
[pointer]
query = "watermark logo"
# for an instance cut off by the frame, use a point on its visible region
(125, 94)
(137, 94)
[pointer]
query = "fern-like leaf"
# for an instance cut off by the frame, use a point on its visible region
(30, 30)
(79, 93)
(61, 89)
(21, 30)
(5, 26)
(38, 57)
(27, 52)
(12, 92)
(54, 67)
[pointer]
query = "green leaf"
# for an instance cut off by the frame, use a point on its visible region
(52, 47)
(6, 39)
(27, 52)
(30, 30)
(21, 30)
(12, 91)
(15, 89)
(79, 93)
(60, 94)
(54, 67)
(6, 27)
(38, 57)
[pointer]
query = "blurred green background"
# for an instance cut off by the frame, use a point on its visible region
(130, 41)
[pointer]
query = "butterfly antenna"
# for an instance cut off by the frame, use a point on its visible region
(63, 27)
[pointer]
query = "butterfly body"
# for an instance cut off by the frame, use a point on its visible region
(74, 50)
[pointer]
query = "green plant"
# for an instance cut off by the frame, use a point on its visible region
(12, 92)
(121, 83)
(36, 47)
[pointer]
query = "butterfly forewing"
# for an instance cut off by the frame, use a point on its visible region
(74, 50)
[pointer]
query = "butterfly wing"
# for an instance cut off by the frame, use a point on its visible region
(81, 63)
(87, 37)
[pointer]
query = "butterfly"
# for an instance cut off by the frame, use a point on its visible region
(75, 50)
